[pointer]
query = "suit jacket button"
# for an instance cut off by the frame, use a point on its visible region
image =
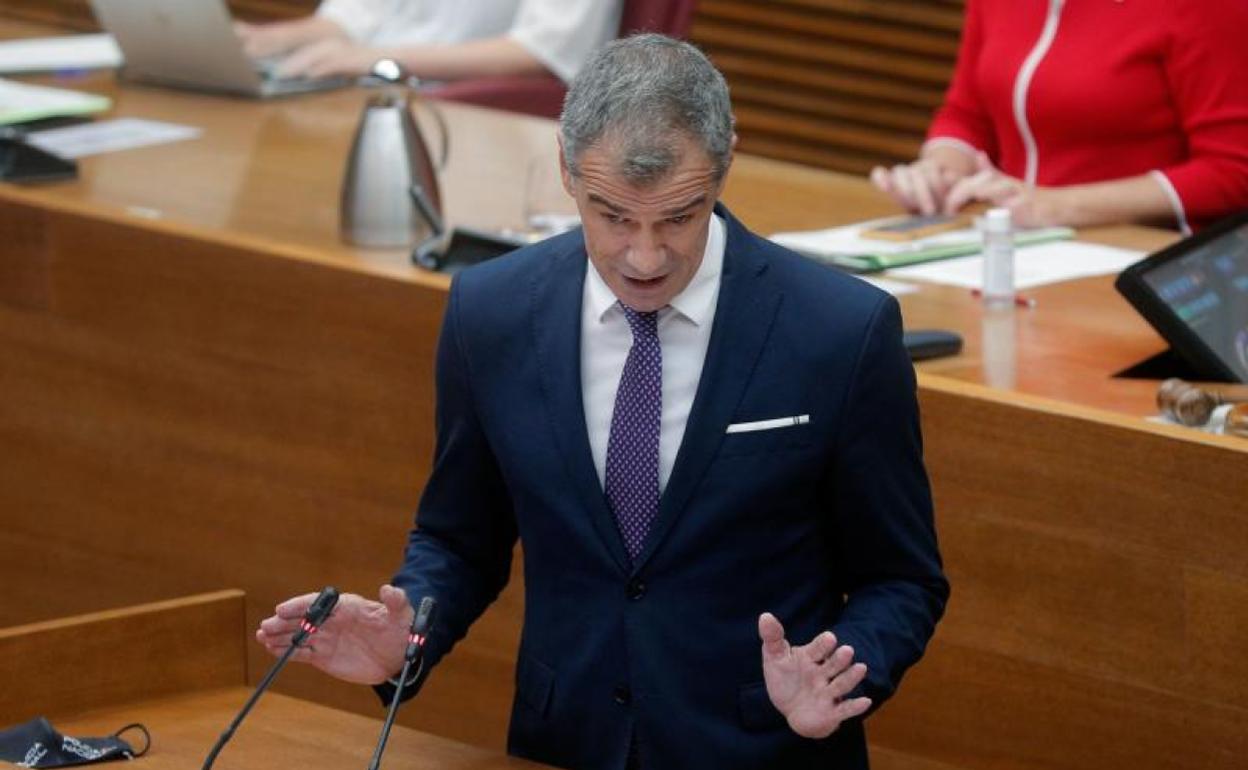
(636, 589)
(622, 696)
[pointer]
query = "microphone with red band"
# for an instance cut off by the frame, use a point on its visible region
(421, 625)
(413, 656)
(318, 612)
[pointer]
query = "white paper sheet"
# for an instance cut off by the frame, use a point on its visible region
(845, 247)
(23, 101)
(109, 136)
(1033, 265)
(67, 52)
(847, 239)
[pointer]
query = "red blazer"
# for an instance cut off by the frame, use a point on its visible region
(1118, 88)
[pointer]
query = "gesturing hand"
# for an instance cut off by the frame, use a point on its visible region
(362, 641)
(808, 684)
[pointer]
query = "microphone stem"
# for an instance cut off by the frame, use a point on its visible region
(255, 696)
(392, 712)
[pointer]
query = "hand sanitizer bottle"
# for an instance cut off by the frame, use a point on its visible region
(998, 233)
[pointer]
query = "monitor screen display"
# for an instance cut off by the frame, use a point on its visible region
(1195, 293)
(1207, 289)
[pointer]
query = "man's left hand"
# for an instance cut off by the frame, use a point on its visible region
(809, 684)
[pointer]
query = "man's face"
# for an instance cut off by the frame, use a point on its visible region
(646, 242)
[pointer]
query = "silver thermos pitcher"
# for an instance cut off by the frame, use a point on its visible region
(390, 195)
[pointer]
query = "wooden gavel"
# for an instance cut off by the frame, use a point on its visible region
(1189, 404)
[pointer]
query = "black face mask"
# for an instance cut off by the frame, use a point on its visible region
(37, 744)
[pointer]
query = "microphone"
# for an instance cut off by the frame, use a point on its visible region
(318, 612)
(413, 656)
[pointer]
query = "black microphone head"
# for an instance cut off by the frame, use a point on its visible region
(322, 606)
(424, 616)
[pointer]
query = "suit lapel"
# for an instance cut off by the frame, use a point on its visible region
(556, 316)
(743, 317)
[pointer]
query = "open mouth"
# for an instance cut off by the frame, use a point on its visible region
(643, 283)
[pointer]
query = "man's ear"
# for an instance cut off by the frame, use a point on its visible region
(732, 154)
(564, 173)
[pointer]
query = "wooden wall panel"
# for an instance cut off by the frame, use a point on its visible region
(1100, 597)
(842, 84)
(70, 14)
(182, 414)
(1217, 622)
(24, 263)
(999, 712)
(76, 14)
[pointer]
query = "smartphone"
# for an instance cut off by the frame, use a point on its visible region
(909, 228)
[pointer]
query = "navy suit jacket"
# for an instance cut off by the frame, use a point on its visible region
(826, 524)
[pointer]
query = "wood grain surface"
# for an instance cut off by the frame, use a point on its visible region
(105, 658)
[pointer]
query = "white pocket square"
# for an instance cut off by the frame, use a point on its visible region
(779, 422)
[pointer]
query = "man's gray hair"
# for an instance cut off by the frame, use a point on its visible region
(644, 93)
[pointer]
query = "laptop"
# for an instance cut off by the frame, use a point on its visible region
(191, 44)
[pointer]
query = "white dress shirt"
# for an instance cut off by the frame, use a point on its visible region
(560, 33)
(684, 333)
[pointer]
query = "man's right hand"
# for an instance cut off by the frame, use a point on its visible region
(362, 641)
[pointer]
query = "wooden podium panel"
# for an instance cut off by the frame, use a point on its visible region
(178, 668)
(74, 664)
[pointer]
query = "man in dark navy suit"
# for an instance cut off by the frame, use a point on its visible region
(696, 435)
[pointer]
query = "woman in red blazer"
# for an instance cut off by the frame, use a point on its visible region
(1087, 112)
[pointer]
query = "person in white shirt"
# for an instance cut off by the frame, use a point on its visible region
(438, 40)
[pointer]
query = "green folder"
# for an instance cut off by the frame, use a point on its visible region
(22, 102)
(875, 262)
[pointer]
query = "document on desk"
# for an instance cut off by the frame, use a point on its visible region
(1033, 266)
(20, 102)
(845, 247)
(109, 136)
(64, 52)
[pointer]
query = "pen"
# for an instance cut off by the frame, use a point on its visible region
(1020, 300)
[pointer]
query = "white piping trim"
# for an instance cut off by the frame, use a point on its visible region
(1023, 82)
(1176, 203)
(950, 141)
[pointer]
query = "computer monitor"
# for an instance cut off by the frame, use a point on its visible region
(1195, 294)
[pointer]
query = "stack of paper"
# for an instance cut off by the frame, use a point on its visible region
(846, 248)
(67, 52)
(20, 102)
(1034, 266)
(108, 136)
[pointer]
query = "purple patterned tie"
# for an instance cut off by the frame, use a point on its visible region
(633, 449)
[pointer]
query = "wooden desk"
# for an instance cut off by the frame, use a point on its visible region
(178, 668)
(225, 393)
